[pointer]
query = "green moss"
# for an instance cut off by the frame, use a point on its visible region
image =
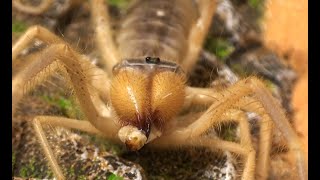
(114, 148)
(240, 70)
(107, 145)
(256, 4)
(28, 170)
(270, 85)
(121, 4)
(18, 26)
(220, 47)
(49, 173)
(71, 172)
(67, 106)
(82, 177)
(229, 134)
(228, 131)
(114, 177)
(259, 8)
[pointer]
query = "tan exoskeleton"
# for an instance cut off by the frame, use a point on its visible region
(143, 81)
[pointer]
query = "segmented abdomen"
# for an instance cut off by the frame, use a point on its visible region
(157, 28)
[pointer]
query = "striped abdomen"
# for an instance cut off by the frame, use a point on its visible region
(157, 28)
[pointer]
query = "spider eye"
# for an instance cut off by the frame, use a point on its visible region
(151, 60)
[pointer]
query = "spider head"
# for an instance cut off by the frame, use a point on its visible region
(145, 96)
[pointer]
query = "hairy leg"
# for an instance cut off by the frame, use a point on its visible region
(255, 88)
(248, 153)
(206, 96)
(86, 78)
(249, 104)
(34, 10)
(34, 32)
(44, 6)
(245, 140)
(277, 117)
(57, 57)
(200, 96)
(47, 150)
(39, 121)
(239, 96)
(103, 34)
(199, 32)
(179, 137)
(214, 144)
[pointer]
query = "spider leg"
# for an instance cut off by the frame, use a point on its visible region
(34, 32)
(277, 117)
(255, 89)
(248, 153)
(39, 121)
(34, 10)
(59, 57)
(205, 96)
(100, 82)
(266, 131)
(245, 140)
(47, 150)
(103, 34)
(245, 148)
(198, 33)
(272, 109)
(35, 71)
(43, 7)
(200, 96)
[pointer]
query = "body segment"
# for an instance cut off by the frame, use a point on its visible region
(158, 29)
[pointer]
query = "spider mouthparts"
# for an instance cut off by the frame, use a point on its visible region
(133, 138)
(131, 146)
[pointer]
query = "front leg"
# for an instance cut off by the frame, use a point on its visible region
(39, 121)
(239, 96)
(180, 137)
(273, 114)
(199, 32)
(62, 57)
(41, 8)
(34, 32)
(103, 35)
(57, 57)
(84, 126)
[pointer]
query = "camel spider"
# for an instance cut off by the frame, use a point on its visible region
(145, 86)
